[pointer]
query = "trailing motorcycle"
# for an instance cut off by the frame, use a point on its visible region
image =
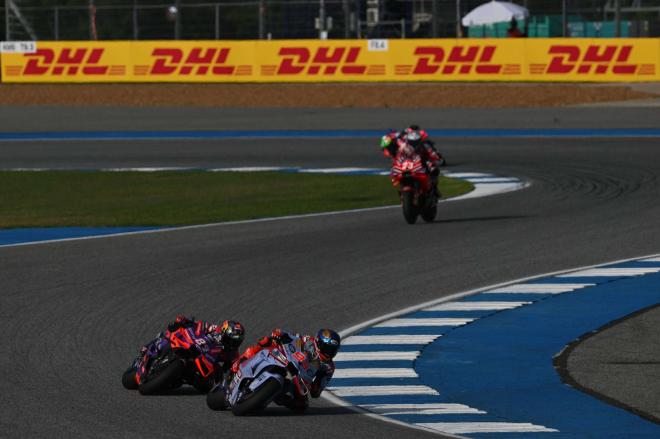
(179, 357)
(416, 188)
(282, 372)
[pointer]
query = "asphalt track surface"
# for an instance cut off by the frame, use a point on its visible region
(74, 313)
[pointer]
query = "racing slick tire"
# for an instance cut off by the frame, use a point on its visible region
(258, 399)
(165, 379)
(430, 211)
(217, 399)
(128, 379)
(203, 386)
(410, 211)
(429, 214)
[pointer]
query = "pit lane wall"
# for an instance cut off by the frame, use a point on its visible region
(556, 60)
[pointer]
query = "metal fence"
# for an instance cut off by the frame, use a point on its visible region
(280, 19)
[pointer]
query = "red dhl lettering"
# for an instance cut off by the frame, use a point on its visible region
(67, 61)
(595, 59)
(461, 60)
(198, 61)
(326, 60)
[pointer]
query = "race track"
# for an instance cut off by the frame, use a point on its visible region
(74, 313)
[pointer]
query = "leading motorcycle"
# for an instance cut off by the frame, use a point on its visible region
(416, 191)
(281, 372)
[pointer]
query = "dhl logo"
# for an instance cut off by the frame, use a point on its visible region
(66, 61)
(324, 60)
(459, 59)
(594, 59)
(197, 61)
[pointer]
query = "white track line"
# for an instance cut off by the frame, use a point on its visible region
(466, 174)
(476, 306)
(422, 409)
(376, 356)
(382, 390)
(538, 288)
(401, 323)
(486, 427)
(492, 180)
(596, 272)
(340, 170)
(376, 372)
(389, 339)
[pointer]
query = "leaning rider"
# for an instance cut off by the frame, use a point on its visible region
(227, 338)
(324, 347)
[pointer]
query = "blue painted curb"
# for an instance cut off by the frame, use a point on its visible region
(37, 234)
(495, 373)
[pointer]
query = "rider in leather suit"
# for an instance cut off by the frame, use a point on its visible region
(326, 344)
(420, 141)
(424, 146)
(227, 337)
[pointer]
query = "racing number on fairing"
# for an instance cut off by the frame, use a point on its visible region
(301, 358)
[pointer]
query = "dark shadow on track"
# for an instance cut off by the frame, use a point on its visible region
(281, 412)
(632, 363)
(181, 391)
(484, 218)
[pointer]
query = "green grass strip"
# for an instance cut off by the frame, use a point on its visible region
(76, 198)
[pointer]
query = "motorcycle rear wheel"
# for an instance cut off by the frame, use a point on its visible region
(430, 210)
(258, 399)
(429, 214)
(164, 379)
(410, 211)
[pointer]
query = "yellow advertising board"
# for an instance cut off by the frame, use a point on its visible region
(570, 60)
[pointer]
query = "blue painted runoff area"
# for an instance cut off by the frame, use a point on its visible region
(25, 235)
(320, 134)
(503, 364)
(493, 374)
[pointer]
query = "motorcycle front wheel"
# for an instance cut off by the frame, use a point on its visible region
(410, 211)
(128, 379)
(258, 399)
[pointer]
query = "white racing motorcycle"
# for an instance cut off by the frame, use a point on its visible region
(281, 372)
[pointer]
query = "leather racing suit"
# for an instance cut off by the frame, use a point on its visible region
(277, 336)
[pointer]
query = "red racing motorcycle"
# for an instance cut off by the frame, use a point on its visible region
(410, 176)
(179, 357)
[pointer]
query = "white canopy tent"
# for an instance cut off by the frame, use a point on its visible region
(494, 12)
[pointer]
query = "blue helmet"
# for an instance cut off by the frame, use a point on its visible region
(328, 343)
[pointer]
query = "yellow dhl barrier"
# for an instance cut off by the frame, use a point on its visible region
(606, 60)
